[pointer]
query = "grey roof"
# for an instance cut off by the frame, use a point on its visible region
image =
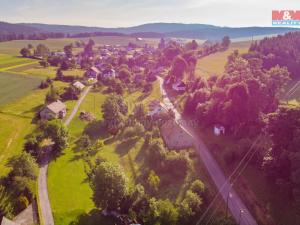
(56, 107)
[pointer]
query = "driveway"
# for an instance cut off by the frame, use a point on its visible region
(43, 197)
(237, 208)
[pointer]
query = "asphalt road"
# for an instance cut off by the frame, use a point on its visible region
(44, 202)
(237, 208)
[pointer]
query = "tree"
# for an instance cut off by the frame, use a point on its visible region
(114, 109)
(198, 187)
(22, 177)
(162, 212)
(58, 133)
(139, 112)
(189, 207)
(42, 51)
(68, 49)
(25, 52)
(225, 42)
(109, 185)
(153, 181)
(44, 63)
(71, 93)
(179, 67)
(52, 95)
(59, 74)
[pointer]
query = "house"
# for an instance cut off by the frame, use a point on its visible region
(174, 136)
(179, 86)
(156, 108)
(219, 130)
(80, 86)
(54, 110)
(108, 73)
(93, 72)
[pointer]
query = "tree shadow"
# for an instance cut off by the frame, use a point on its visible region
(123, 148)
(96, 130)
(94, 217)
(143, 97)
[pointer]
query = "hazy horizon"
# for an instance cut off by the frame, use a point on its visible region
(116, 13)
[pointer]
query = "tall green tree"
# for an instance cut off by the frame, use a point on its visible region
(109, 185)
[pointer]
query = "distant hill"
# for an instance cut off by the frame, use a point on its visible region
(197, 31)
(8, 28)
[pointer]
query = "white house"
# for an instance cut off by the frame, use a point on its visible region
(109, 73)
(80, 86)
(54, 110)
(93, 72)
(179, 86)
(219, 130)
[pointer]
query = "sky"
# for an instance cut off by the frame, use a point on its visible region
(123, 13)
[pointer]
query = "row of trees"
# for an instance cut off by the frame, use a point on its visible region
(281, 50)
(239, 98)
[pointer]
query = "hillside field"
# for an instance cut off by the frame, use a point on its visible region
(14, 47)
(214, 64)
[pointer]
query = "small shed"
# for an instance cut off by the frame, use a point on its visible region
(80, 86)
(219, 130)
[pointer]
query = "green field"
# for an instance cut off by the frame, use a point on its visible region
(14, 86)
(14, 47)
(214, 64)
(11, 61)
(16, 120)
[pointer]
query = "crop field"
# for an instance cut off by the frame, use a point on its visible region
(14, 47)
(214, 64)
(14, 86)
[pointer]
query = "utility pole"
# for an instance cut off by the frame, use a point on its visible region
(229, 195)
(240, 217)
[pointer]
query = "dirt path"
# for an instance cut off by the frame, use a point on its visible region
(237, 208)
(43, 197)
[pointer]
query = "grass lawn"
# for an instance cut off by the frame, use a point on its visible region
(71, 197)
(12, 133)
(215, 63)
(14, 47)
(14, 86)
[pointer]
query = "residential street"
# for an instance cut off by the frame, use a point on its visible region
(43, 197)
(235, 204)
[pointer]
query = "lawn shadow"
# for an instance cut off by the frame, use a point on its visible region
(123, 148)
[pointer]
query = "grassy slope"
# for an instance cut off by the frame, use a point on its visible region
(69, 193)
(7, 61)
(215, 63)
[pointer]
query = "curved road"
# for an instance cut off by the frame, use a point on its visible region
(237, 208)
(43, 197)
